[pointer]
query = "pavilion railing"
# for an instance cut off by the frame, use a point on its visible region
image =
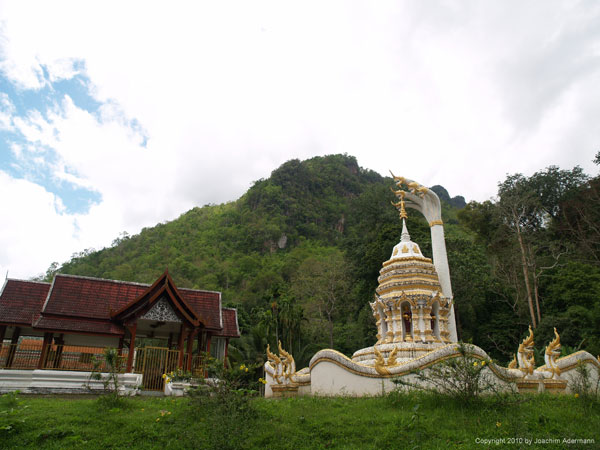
(80, 358)
(16, 356)
(27, 354)
(153, 362)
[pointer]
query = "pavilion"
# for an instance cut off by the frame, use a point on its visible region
(66, 324)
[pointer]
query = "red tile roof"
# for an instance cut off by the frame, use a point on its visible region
(230, 323)
(21, 300)
(92, 298)
(207, 304)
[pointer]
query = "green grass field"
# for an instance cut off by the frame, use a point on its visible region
(396, 422)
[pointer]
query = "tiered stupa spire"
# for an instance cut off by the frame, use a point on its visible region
(410, 311)
(405, 236)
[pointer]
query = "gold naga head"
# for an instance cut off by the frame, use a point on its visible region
(283, 353)
(272, 357)
(414, 187)
(554, 346)
(527, 344)
(398, 180)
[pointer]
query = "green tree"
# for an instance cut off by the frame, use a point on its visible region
(321, 285)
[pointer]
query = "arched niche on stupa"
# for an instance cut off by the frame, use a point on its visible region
(435, 320)
(407, 318)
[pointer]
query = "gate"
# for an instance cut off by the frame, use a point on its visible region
(153, 362)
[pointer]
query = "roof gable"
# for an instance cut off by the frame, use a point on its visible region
(162, 311)
(163, 288)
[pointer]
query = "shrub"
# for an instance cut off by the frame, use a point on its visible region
(584, 387)
(178, 375)
(464, 378)
(113, 365)
(11, 409)
(224, 403)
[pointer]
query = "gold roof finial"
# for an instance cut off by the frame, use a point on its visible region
(400, 205)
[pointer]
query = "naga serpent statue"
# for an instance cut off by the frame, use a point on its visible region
(525, 354)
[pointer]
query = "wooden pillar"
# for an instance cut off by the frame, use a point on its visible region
(13, 346)
(60, 344)
(132, 331)
(190, 347)
(226, 349)
(170, 342)
(44, 354)
(2, 334)
(180, 347)
(206, 344)
(200, 343)
(208, 336)
(121, 343)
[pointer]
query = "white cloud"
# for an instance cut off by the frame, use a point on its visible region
(451, 93)
(33, 229)
(7, 109)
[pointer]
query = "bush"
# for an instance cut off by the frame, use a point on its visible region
(464, 378)
(178, 375)
(114, 366)
(224, 403)
(584, 387)
(11, 409)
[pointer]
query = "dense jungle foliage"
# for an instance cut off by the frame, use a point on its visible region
(299, 255)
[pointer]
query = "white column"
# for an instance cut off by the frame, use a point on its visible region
(440, 261)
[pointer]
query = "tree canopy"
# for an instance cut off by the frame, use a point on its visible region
(300, 252)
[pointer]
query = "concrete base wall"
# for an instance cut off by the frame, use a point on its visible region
(332, 373)
(62, 382)
(328, 379)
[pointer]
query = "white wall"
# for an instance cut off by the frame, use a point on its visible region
(90, 341)
(61, 382)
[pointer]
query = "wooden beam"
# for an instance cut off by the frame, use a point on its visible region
(226, 349)
(44, 353)
(180, 346)
(208, 336)
(60, 342)
(132, 331)
(190, 347)
(3, 333)
(121, 343)
(13, 346)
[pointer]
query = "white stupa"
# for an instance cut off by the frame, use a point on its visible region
(409, 307)
(413, 309)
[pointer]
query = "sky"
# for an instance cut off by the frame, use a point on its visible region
(115, 116)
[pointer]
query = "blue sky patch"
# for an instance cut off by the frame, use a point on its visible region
(37, 166)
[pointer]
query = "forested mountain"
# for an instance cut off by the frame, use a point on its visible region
(299, 255)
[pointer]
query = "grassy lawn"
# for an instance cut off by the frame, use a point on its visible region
(396, 421)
